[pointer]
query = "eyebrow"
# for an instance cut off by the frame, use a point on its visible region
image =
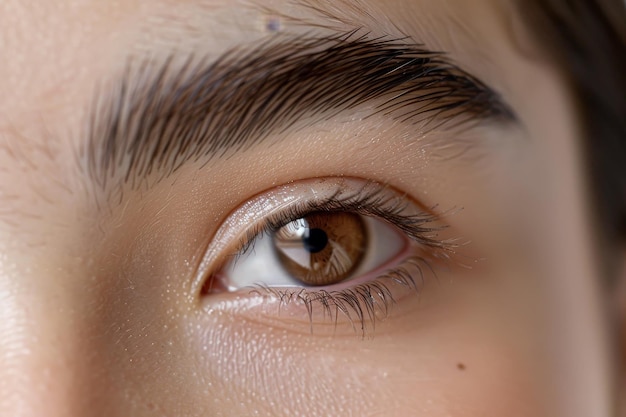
(157, 116)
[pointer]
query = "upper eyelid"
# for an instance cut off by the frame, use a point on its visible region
(373, 200)
(155, 120)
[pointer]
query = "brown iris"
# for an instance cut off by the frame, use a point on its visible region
(322, 248)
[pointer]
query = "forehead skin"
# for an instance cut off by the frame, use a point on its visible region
(57, 54)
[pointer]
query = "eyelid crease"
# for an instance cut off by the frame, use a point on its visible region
(160, 116)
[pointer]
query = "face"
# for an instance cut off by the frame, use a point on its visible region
(290, 208)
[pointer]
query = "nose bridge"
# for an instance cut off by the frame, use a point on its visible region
(41, 368)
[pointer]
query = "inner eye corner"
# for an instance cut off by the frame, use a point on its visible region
(214, 280)
(211, 285)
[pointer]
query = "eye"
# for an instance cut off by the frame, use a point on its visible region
(321, 249)
(324, 249)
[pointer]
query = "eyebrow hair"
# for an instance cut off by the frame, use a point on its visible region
(158, 117)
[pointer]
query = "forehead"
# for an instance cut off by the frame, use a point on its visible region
(59, 48)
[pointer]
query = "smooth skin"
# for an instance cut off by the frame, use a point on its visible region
(98, 314)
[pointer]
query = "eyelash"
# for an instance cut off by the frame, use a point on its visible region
(365, 302)
(361, 304)
(370, 200)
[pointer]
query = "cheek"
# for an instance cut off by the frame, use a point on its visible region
(451, 356)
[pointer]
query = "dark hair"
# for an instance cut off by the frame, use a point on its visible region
(588, 40)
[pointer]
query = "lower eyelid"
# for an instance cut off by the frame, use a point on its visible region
(343, 309)
(354, 309)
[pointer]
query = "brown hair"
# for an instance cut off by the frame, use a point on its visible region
(588, 40)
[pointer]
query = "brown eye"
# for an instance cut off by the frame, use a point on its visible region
(322, 248)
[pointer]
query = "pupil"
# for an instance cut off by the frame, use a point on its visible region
(315, 241)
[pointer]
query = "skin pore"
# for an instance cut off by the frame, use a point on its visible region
(102, 307)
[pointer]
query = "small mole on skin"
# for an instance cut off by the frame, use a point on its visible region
(460, 366)
(272, 24)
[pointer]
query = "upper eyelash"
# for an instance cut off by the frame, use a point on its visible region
(369, 200)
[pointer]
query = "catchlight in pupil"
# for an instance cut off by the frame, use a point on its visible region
(321, 248)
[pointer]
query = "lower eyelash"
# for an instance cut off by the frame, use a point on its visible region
(363, 304)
